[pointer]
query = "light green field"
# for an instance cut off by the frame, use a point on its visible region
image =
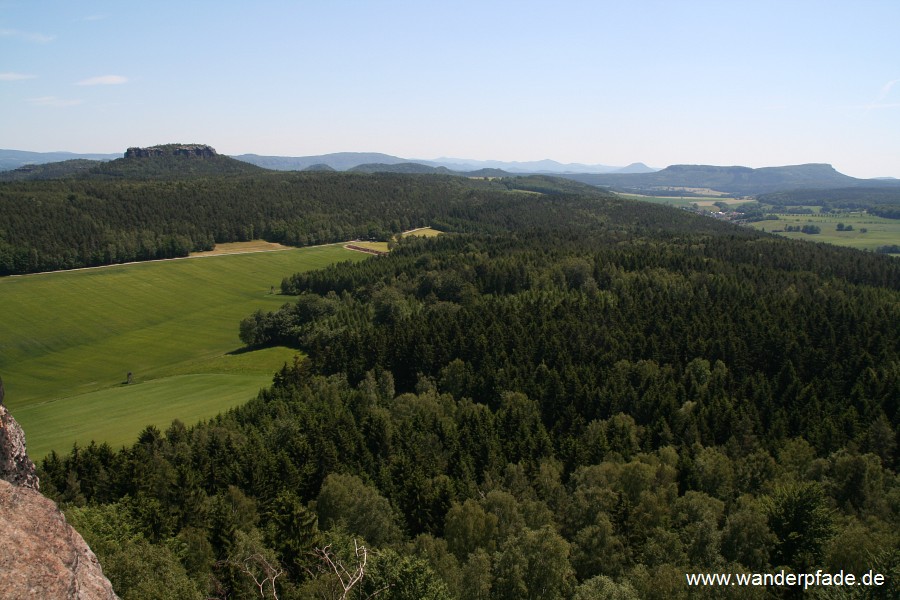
(127, 409)
(423, 232)
(68, 340)
(879, 231)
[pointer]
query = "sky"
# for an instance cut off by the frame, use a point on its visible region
(723, 82)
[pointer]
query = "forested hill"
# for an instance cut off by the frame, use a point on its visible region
(339, 161)
(48, 225)
(105, 219)
(405, 167)
(741, 181)
(13, 159)
(168, 161)
(172, 161)
(565, 396)
(52, 170)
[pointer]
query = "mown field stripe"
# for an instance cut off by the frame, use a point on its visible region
(71, 334)
(128, 409)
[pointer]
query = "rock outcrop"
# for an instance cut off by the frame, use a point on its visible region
(192, 150)
(41, 556)
(15, 466)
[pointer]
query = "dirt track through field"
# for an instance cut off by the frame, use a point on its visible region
(241, 248)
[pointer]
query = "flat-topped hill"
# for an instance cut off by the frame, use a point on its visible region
(191, 150)
(172, 161)
(733, 180)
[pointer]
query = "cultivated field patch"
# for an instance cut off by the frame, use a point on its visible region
(368, 247)
(423, 231)
(860, 229)
(242, 248)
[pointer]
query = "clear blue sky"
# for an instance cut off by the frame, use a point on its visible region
(754, 83)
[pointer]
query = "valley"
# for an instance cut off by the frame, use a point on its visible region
(539, 372)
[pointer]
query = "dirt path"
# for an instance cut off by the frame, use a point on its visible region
(356, 248)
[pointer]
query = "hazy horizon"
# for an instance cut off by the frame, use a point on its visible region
(447, 160)
(753, 84)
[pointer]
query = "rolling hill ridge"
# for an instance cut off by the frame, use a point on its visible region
(734, 180)
(190, 160)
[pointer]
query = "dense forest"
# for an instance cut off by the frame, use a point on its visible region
(48, 225)
(567, 395)
(69, 223)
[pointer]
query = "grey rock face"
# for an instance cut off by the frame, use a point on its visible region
(15, 466)
(197, 150)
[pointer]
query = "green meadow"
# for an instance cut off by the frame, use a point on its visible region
(69, 339)
(878, 230)
(423, 232)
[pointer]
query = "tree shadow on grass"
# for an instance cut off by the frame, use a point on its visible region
(241, 350)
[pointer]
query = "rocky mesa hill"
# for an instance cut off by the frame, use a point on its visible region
(172, 161)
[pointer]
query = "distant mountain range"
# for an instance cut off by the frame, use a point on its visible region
(340, 161)
(344, 161)
(168, 161)
(544, 167)
(13, 159)
(180, 160)
(738, 181)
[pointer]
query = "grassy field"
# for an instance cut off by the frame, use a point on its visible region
(69, 339)
(116, 415)
(423, 231)
(879, 231)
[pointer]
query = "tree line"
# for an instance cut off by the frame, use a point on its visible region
(69, 223)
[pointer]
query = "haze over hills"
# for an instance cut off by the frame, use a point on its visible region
(635, 178)
(51, 170)
(539, 166)
(732, 180)
(166, 161)
(339, 161)
(13, 159)
(404, 167)
(344, 161)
